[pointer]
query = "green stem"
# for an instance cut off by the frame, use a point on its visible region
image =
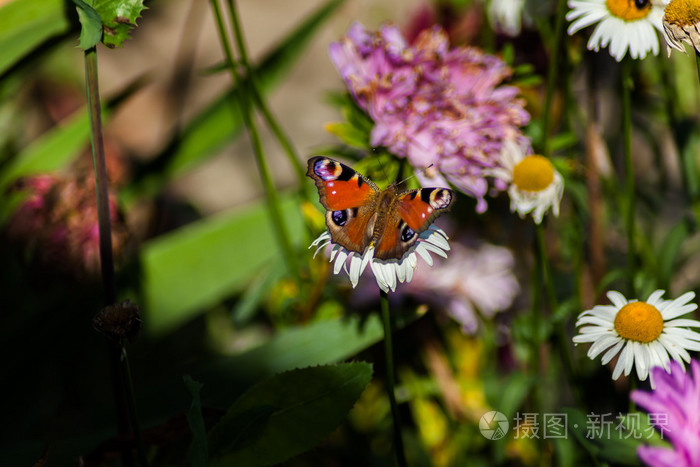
(697, 63)
(101, 182)
(627, 85)
(562, 337)
(537, 318)
(551, 75)
(389, 355)
(272, 122)
(273, 202)
(121, 380)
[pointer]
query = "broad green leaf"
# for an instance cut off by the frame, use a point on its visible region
(90, 25)
(221, 121)
(204, 262)
(255, 293)
(24, 25)
(287, 414)
(53, 150)
(118, 18)
(198, 450)
(318, 343)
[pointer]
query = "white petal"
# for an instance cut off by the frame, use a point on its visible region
(355, 270)
(612, 352)
(617, 298)
(340, 260)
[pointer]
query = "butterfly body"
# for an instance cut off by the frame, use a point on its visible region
(360, 215)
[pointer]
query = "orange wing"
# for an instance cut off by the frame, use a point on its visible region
(419, 208)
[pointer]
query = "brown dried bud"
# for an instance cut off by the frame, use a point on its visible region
(119, 321)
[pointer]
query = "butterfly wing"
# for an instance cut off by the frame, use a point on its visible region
(349, 200)
(414, 212)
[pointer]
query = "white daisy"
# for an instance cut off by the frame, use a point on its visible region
(533, 184)
(644, 334)
(506, 16)
(622, 24)
(386, 272)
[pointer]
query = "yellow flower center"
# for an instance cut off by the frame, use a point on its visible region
(639, 321)
(534, 173)
(629, 10)
(682, 12)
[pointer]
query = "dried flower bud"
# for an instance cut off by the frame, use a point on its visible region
(119, 321)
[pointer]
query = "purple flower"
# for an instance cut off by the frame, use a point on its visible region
(433, 104)
(469, 280)
(675, 404)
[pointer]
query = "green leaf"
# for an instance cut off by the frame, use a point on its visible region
(198, 450)
(90, 25)
(53, 150)
(221, 121)
(200, 264)
(287, 414)
(118, 18)
(24, 25)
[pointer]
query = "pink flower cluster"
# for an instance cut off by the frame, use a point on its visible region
(676, 404)
(58, 221)
(433, 104)
(471, 282)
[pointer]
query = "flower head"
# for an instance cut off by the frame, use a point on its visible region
(681, 23)
(470, 279)
(644, 334)
(533, 184)
(432, 104)
(506, 16)
(623, 24)
(675, 402)
(59, 220)
(386, 272)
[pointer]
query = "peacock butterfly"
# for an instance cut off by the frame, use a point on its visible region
(359, 214)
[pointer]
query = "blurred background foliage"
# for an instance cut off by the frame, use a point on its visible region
(196, 251)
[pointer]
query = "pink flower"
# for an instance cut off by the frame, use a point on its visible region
(432, 104)
(675, 404)
(59, 221)
(469, 280)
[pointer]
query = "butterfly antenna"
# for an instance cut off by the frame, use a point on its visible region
(421, 171)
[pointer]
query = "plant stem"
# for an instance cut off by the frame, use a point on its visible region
(273, 202)
(272, 122)
(101, 182)
(536, 339)
(562, 338)
(389, 355)
(119, 365)
(551, 75)
(629, 170)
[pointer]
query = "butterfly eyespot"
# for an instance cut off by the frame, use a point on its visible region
(407, 234)
(641, 4)
(339, 218)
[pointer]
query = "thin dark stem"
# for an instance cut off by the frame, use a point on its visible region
(629, 171)
(272, 122)
(119, 366)
(389, 355)
(101, 182)
(552, 75)
(273, 202)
